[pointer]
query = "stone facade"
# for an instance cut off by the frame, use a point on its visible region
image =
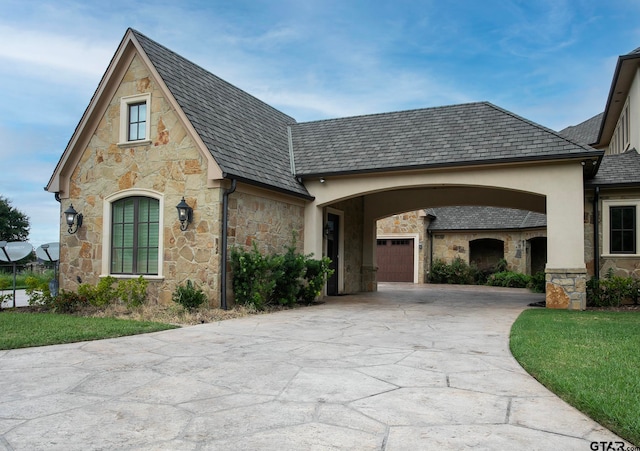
(169, 167)
(566, 289)
(448, 245)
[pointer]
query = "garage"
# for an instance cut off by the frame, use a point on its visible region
(395, 259)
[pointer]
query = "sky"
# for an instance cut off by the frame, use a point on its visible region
(550, 61)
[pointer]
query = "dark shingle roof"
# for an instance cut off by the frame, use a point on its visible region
(585, 132)
(618, 169)
(247, 137)
(474, 133)
(484, 218)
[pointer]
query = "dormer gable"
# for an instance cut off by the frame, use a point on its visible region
(139, 99)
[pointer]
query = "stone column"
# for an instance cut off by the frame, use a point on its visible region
(567, 289)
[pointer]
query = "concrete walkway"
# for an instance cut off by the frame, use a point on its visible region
(407, 368)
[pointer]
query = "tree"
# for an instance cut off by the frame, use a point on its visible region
(14, 225)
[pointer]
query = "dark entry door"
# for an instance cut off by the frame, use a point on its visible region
(333, 240)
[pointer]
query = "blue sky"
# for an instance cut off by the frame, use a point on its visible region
(550, 61)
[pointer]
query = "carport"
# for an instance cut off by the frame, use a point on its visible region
(475, 154)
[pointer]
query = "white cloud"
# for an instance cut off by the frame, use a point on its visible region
(54, 52)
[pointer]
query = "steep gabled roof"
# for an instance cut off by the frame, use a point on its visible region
(618, 170)
(484, 218)
(247, 138)
(585, 132)
(467, 134)
(623, 76)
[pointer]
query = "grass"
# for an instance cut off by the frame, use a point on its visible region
(22, 330)
(590, 359)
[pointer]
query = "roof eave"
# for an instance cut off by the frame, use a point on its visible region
(622, 68)
(591, 155)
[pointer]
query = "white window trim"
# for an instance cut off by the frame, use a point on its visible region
(124, 119)
(106, 232)
(416, 247)
(606, 231)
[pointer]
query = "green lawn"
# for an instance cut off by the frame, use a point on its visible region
(22, 330)
(590, 359)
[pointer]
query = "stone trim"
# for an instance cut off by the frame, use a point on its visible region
(566, 288)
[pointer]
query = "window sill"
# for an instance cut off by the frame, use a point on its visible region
(620, 255)
(144, 142)
(133, 276)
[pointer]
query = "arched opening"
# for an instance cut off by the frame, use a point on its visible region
(485, 253)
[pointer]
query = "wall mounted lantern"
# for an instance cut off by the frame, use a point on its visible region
(185, 214)
(73, 217)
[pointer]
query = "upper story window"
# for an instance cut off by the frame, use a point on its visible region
(135, 117)
(621, 135)
(137, 121)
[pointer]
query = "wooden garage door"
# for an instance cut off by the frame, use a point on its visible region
(395, 260)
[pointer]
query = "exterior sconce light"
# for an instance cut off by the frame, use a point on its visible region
(73, 217)
(327, 229)
(185, 214)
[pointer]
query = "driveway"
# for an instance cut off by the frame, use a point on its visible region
(409, 367)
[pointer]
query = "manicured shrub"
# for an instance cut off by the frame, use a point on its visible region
(101, 294)
(612, 291)
(538, 282)
(509, 279)
(263, 280)
(315, 276)
(189, 296)
(132, 292)
(68, 302)
(458, 272)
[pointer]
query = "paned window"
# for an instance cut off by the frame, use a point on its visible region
(622, 229)
(135, 236)
(137, 121)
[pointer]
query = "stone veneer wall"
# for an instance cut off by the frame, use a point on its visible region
(356, 277)
(270, 223)
(447, 245)
(566, 289)
(170, 165)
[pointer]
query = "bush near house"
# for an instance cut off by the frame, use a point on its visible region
(461, 273)
(612, 291)
(263, 280)
(131, 293)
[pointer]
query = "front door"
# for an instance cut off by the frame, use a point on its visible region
(333, 240)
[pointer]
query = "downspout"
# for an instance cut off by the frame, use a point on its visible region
(225, 223)
(596, 233)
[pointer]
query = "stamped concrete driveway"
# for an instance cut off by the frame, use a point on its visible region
(407, 368)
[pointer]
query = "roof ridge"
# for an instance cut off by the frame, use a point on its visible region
(388, 113)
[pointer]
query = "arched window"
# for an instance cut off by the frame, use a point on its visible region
(135, 235)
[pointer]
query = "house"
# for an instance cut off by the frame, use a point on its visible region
(161, 132)
(408, 243)
(612, 197)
